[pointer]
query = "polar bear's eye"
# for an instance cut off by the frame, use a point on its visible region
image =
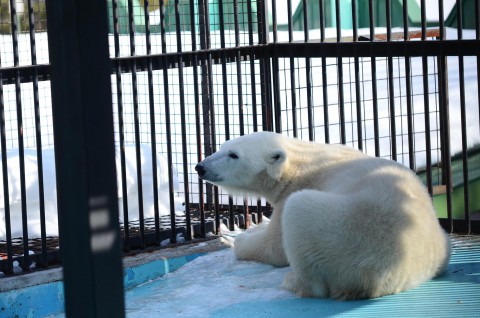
(233, 155)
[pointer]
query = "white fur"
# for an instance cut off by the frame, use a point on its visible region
(350, 226)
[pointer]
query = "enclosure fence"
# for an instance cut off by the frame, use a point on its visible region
(187, 75)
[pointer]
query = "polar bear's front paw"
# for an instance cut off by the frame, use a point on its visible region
(292, 283)
(243, 245)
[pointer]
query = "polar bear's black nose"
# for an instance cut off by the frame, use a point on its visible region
(200, 170)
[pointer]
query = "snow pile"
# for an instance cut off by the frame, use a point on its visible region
(208, 284)
(50, 189)
(191, 292)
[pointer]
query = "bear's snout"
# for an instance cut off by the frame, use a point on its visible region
(200, 170)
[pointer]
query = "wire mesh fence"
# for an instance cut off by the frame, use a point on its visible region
(188, 75)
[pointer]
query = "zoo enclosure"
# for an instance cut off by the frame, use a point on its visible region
(188, 75)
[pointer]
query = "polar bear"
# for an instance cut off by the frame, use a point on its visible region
(349, 225)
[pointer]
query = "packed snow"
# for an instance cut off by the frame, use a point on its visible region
(183, 294)
(51, 222)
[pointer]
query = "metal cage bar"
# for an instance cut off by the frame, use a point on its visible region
(198, 132)
(138, 155)
(183, 125)
(461, 67)
(168, 126)
(25, 264)
(374, 81)
(153, 135)
(6, 197)
(121, 127)
(358, 97)
(38, 135)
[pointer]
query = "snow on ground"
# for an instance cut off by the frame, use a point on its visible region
(207, 284)
(32, 190)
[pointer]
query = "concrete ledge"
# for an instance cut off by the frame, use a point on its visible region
(129, 262)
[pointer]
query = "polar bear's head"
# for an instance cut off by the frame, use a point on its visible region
(246, 165)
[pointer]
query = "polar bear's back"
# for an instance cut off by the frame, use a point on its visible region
(375, 221)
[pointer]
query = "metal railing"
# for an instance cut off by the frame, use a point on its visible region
(188, 75)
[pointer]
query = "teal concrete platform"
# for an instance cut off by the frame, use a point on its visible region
(454, 294)
(47, 300)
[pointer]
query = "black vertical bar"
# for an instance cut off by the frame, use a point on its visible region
(441, 19)
(371, 19)
(463, 119)
(136, 124)
(358, 97)
(38, 133)
(153, 136)
(239, 69)
(240, 93)
(388, 19)
(276, 94)
(305, 20)
(209, 108)
(21, 153)
(198, 110)
(321, 8)
(225, 99)
(391, 87)
(274, 21)
(262, 17)
(265, 72)
(445, 135)
(445, 121)
(428, 144)
(208, 138)
(408, 87)
(168, 125)
(121, 128)
(405, 20)
(85, 158)
(308, 75)
(253, 87)
(224, 71)
(324, 74)
(338, 21)
(463, 115)
(183, 123)
(6, 192)
(290, 21)
(275, 75)
(374, 81)
(426, 102)
(252, 66)
(325, 99)
(341, 101)
(292, 72)
(423, 19)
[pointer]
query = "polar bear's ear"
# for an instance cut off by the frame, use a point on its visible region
(277, 156)
(276, 160)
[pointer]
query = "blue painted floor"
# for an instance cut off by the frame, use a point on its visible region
(217, 285)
